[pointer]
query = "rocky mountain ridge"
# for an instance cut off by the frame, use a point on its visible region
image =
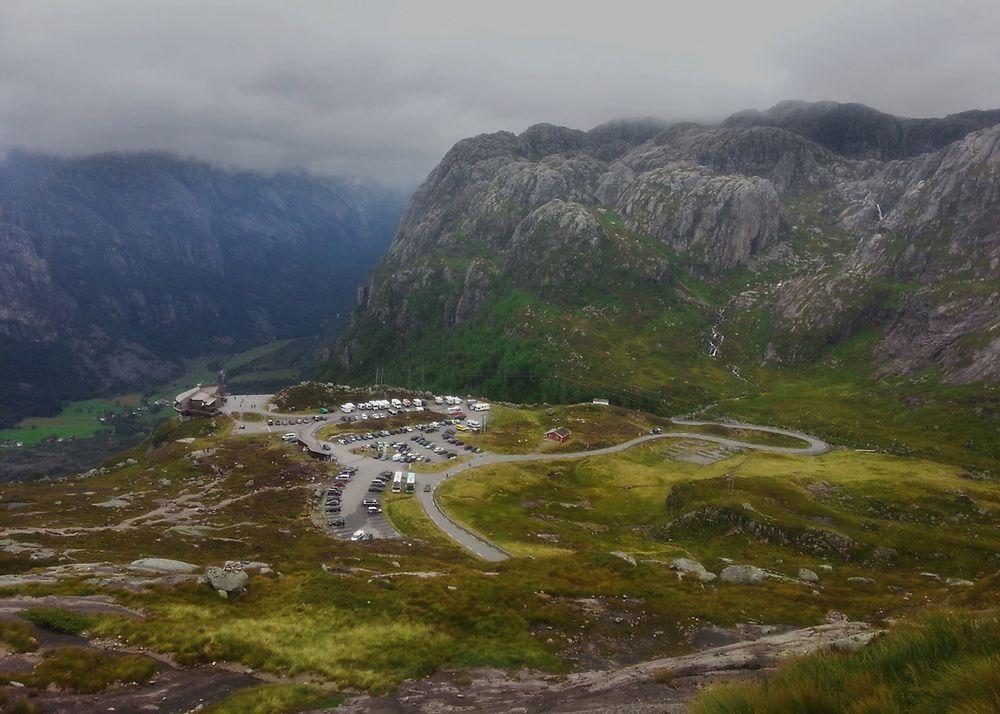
(115, 265)
(844, 226)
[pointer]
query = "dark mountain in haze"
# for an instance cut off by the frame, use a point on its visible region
(677, 258)
(861, 132)
(116, 265)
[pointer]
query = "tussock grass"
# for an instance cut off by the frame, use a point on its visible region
(939, 663)
(275, 699)
(17, 636)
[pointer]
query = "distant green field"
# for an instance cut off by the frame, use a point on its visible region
(77, 419)
(81, 419)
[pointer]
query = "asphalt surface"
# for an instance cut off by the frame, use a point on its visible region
(356, 491)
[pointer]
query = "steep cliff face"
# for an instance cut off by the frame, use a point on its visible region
(116, 265)
(765, 241)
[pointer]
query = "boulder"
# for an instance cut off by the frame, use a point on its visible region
(162, 565)
(861, 581)
(624, 556)
(248, 566)
(685, 566)
(808, 575)
(742, 575)
(226, 581)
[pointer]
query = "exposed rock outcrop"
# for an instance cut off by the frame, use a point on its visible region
(901, 216)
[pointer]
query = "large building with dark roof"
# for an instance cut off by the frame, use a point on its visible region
(203, 400)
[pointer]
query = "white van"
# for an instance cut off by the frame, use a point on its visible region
(438, 400)
(290, 436)
(418, 402)
(347, 408)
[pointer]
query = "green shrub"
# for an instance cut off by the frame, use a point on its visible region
(58, 620)
(663, 675)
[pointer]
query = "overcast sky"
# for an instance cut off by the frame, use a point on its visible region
(383, 89)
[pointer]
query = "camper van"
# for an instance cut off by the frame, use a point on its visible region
(418, 402)
(480, 407)
(347, 408)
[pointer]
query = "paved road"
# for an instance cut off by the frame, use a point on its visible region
(367, 467)
(488, 551)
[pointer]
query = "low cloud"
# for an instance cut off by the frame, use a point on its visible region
(382, 89)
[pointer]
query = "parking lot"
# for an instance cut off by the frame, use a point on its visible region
(369, 457)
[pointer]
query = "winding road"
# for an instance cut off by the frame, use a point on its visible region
(465, 537)
(491, 552)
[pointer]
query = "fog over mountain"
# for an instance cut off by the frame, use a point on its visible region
(382, 89)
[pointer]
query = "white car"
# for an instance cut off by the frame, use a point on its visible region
(290, 436)
(360, 534)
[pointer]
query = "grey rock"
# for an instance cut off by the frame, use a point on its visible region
(162, 565)
(687, 566)
(230, 582)
(624, 556)
(114, 503)
(958, 582)
(742, 575)
(808, 575)
(857, 580)
(250, 566)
